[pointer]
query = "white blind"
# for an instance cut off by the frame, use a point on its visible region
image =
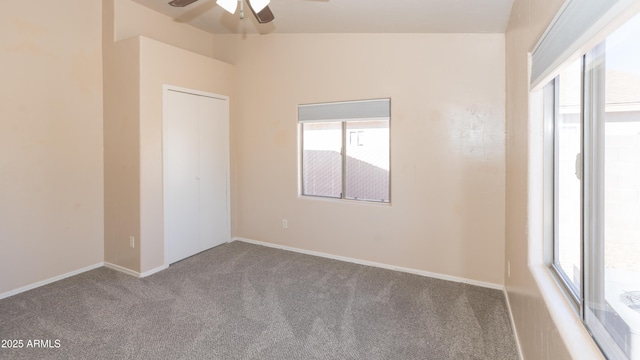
(377, 109)
(577, 23)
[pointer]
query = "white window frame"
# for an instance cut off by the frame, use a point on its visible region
(343, 112)
(564, 310)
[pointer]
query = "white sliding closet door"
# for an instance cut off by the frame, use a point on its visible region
(196, 160)
(213, 139)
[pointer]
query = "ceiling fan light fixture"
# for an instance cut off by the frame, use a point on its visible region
(228, 5)
(259, 5)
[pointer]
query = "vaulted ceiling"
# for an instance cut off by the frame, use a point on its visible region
(349, 16)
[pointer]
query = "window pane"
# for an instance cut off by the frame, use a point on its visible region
(367, 161)
(321, 159)
(621, 315)
(568, 193)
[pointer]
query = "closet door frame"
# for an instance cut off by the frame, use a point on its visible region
(165, 93)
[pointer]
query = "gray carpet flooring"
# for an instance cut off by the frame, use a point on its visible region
(243, 301)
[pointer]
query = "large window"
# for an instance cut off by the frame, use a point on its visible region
(594, 108)
(345, 150)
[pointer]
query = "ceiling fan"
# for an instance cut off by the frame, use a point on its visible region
(259, 8)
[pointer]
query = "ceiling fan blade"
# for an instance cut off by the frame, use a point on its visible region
(181, 3)
(264, 16)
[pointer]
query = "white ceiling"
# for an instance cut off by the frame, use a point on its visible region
(349, 16)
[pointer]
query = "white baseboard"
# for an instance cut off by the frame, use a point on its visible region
(256, 242)
(121, 269)
(133, 273)
(49, 281)
(375, 264)
(153, 271)
(80, 271)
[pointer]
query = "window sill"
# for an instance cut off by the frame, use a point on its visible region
(343, 201)
(576, 338)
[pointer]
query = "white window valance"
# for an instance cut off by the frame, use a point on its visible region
(577, 22)
(363, 110)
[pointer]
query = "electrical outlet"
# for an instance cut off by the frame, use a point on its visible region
(285, 223)
(132, 242)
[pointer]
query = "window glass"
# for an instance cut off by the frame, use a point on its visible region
(322, 159)
(367, 161)
(620, 311)
(568, 145)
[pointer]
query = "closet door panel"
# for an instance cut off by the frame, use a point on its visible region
(196, 173)
(183, 190)
(213, 171)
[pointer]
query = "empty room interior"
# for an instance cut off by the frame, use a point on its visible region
(348, 180)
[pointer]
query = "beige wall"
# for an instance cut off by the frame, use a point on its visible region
(539, 336)
(121, 152)
(447, 157)
(178, 68)
(136, 68)
(51, 179)
(121, 144)
(132, 19)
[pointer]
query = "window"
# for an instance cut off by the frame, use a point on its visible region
(594, 107)
(345, 150)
